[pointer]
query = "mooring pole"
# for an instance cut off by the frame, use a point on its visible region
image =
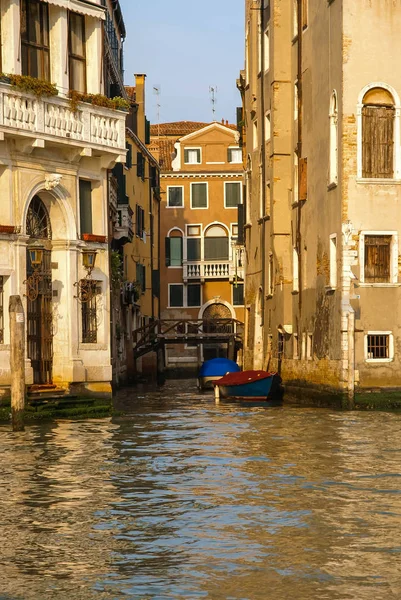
(17, 362)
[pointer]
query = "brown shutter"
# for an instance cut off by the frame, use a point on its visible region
(378, 142)
(303, 178)
(377, 258)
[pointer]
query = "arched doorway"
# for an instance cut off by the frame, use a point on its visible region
(212, 316)
(39, 293)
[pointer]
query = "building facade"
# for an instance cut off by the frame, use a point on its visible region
(321, 113)
(201, 264)
(135, 246)
(55, 153)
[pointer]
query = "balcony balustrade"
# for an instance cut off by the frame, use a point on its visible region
(123, 229)
(206, 270)
(52, 119)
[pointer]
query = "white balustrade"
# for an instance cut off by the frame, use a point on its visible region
(52, 117)
(207, 270)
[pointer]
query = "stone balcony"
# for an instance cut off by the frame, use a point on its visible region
(211, 269)
(50, 121)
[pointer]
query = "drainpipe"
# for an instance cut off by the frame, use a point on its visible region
(299, 153)
(151, 228)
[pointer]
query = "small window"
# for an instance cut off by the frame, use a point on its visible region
(267, 50)
(377, 258)
(255, 135)
(271, 275)
(235, 155)
(174, 251)
(85, 206)
(309, 347)
(141, 277)
(199, 195)
(193, 230)
(267, 126)
(35, 39)
(378, 117)
(77, 54)
(232, 194)
(295, 270)
(295, 346)
(238, 294)
(333, 261)
(379, 346)
(175, 196)
(194, 294)
(89, 317)
(192, 156)
(193, 249)
(176, 295)
(333, 159)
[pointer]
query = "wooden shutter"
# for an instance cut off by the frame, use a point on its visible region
(377, 258)
(241, 223)
(303, 178)
(147, 131)
(199, 195)
(167, 251)
(378, 142)
(128, 160)
(118, 172)
(140, 165)
(186, 156)
(193, 248)
(233, 194)
(85, 206)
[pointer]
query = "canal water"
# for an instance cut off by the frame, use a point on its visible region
(182, 498)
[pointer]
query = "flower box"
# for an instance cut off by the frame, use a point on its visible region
(8, 229)
(91, 237)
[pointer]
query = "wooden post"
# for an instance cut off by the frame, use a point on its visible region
(17, 362)
(217, 394)
(231, 348)
(161, 365)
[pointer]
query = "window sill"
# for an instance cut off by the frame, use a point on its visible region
(379, 285)
(377, 361)
(174, 206)
(378, 181)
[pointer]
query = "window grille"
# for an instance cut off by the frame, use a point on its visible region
(378, 346)
(89, 317)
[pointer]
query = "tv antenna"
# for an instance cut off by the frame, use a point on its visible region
(213, 99)
(157, 93)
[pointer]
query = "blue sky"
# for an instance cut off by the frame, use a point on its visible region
(186, 46)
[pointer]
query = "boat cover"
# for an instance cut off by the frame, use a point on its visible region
(218, 366)
(242, 378)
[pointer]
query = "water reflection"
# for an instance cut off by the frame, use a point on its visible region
(183, 499)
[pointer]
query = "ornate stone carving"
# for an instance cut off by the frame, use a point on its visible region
(52, 181)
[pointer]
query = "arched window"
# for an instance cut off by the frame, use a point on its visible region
(216, 243)
(333, 159)
(174, 248)
(37, 220)
(378, 134)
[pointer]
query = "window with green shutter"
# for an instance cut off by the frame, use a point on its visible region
(85, 206)
(174, 251)
(192, 156)
(128, 160)
(238, 294)
(176, 295)
(216, 248)
(199, 195)
(232, 194)
(194, 294)
(193, 249)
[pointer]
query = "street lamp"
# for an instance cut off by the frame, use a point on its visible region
(32, 282)
(87, 287)
(89, 260)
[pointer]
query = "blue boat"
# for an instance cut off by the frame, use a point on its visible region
(251, 386)
(214, 369)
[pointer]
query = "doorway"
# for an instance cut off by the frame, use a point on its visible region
(39, 295)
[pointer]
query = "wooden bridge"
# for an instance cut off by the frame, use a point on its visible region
(156, 334)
